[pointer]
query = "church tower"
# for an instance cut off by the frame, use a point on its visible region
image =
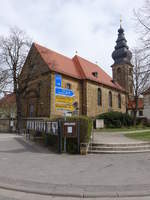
(122, 67)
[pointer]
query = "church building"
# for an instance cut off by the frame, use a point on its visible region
(54, 85)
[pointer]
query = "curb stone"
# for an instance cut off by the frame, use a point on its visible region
(106, 194)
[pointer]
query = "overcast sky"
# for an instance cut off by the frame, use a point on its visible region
(87, 26)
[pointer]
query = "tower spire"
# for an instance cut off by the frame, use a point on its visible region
(121, 54)
(120, 21)
(122, 67)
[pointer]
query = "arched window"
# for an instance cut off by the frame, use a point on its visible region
(119, 74)
(119, 101)
(99, 97)
(110, 99)
(130, 71)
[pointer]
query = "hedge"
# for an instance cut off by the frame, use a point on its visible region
(85, 133)
(85, 127)
(116, 119)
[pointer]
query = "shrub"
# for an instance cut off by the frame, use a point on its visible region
(51, 140)
(85, 132)
(85, 126)
(141, 121)
(71, 143)
(116, 119)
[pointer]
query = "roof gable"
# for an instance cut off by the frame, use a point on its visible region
(58, 62)
(34, 65)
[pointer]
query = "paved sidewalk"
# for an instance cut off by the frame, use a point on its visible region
(116, 137)
(25, 168)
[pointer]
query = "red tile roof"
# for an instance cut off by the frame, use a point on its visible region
(131, 104)
(8, 99)
(76, 67)
(58, 62)
(88, 68)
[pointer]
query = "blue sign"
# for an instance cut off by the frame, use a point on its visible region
(63, 92)
(58, 80)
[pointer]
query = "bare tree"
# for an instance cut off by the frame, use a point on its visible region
(143, 18)
(141, 57)
(13, 52)
(4, 79)
(141, 76)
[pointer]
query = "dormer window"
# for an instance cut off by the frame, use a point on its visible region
(95, 74)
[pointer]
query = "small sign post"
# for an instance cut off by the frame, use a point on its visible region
(71, 130)
(59, 137)
(78, 135)
(65, 149)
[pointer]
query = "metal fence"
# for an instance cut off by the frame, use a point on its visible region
(48, 127)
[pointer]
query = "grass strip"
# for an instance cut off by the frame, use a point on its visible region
(145, 136)
(121, 129)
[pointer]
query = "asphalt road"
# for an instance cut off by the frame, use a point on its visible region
(26, 167)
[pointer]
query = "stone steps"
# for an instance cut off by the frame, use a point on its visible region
(95, 148)
(119, 144)
(117, 152)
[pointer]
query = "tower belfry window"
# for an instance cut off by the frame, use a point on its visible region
(130, 71)
(119, 74)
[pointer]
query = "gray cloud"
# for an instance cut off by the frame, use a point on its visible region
(88, 26)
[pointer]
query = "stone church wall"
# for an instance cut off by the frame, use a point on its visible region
(76, 87)
(92, 106)
(35, 77)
